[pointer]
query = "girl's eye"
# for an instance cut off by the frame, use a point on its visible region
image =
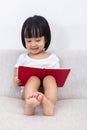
(29, 41)
(37, 40)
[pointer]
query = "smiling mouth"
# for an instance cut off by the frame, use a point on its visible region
(34, 49)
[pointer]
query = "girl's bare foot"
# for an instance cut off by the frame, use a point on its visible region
(32, 102)
(48, 106)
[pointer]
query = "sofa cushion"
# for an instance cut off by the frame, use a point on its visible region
(70, 114)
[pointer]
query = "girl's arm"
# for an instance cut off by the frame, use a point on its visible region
(17, 81)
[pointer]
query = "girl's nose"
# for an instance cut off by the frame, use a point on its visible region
(33, 43)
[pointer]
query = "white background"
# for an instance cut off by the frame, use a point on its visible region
(67, 19)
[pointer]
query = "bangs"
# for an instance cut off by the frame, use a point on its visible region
(33, 32)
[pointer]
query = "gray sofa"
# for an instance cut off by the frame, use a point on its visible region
(71, 108)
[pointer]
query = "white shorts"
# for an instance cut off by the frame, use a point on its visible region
(22, 88)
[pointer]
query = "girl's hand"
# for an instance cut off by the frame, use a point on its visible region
(17, 81)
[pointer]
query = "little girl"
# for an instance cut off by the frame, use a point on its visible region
(36, 37)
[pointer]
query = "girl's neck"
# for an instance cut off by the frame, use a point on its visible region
(40, 55)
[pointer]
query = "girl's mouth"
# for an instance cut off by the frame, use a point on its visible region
(34, 48)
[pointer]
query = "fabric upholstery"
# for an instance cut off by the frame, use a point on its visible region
(71, 114)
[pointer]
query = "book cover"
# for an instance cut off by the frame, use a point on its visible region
(60, 74)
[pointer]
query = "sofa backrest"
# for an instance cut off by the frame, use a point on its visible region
(7, 61)
(74, 87)
(76, 83)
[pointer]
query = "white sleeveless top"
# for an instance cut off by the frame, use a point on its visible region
(50, 62)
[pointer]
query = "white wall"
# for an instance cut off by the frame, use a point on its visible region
(67, 19)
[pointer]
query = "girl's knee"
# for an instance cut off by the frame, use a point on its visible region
(34, 79)
(49, 78)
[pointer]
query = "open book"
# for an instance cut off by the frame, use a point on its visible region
(60, 74)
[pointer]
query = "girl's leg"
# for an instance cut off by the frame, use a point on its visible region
(32, 99)
(50, 95)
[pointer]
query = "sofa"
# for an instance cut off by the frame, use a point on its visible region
(71, 107)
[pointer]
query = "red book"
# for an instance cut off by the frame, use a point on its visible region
(24, 73)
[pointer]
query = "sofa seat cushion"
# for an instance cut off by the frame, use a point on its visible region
(70, 114)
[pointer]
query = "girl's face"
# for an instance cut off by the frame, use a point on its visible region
(35, 45)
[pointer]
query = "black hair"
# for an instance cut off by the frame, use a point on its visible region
(36, 26)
